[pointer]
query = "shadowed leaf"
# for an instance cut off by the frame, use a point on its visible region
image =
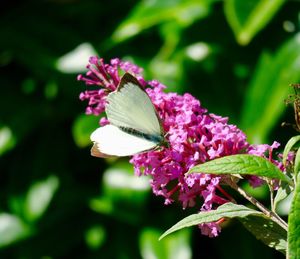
(267, 231)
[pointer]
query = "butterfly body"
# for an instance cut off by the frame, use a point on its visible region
(153, 138)
(134, 123)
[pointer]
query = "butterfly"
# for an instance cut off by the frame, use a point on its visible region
(134, 123)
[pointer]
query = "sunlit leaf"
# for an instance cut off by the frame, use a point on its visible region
(149, 13)
(82, 129)
(282, 193)
(95, 236)
(167, 64)
(198, 51)
(7, 139)
(12, 229)
(169, 71)
(294, 225)
(241, 164)
(297, 163)
(283, 207)
(227, 210)
(175, 246)
(247, 18)
(39, 196)
(120, 183)
(121, 179)
(259, 192)
(75, 61)
(269, 86)
(123, 195)
(102, 205)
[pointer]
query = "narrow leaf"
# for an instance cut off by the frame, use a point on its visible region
(247, 18)
(39, 197)
(283, 191)
(294, 225)
(288, 147)
(227, 210)
(175, 246)
(297, 163)
(267, 231)
(7, 139)
(264, 98)
(241, 164)
(150, 13)
(12, 229)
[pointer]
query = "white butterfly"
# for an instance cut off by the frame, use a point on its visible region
(134, 124)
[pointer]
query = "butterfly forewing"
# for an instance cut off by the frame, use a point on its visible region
(130, 107)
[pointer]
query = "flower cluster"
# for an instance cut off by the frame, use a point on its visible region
(194, 135)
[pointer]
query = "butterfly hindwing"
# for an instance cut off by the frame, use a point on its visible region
(111, 141)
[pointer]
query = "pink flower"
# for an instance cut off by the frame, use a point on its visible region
(106, 77)
(210, 229)
(194, 136)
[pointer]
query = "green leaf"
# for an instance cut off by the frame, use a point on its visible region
(168, 62)
(51, 90)
(95, 237)
(247, 18)
(150, 13)
(241, 164)
(284, 207)
(283, 191)
(75, 60)
(264, 100)
(123, 194)
(260, 193)
(39, 196)
(267, 231)
(7, 139)
(297, 163)
(294, 225)
(288, 147)
(175, 246)
(83, 127)
(103, 205)
(12, 229)
(227, 210)
(121, 185)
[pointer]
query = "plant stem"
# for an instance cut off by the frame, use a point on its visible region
(272, 197)
(260, 206)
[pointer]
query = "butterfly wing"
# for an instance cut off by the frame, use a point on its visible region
(130, 107)
(111, 141)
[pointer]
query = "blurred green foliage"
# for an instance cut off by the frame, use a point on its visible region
(238, 57)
